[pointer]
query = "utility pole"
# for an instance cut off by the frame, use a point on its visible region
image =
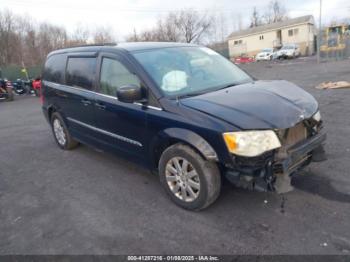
(319, 35)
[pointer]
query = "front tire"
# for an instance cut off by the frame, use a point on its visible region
(191, 181)
(61, 134)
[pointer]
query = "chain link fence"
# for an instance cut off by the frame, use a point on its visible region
(13, 72)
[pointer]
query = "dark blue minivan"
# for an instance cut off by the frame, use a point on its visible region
(184, 111)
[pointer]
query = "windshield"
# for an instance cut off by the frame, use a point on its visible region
(268, 50)
(184, 71)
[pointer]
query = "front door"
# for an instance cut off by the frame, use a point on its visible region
(121, 126)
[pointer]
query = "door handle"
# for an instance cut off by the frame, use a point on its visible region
(100, 106)
(86, 102)
(60, 94)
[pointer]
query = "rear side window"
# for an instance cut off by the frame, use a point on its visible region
(54, 69)
(81, 72)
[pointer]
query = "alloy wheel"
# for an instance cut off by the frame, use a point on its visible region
(59, 132)
(182, 179)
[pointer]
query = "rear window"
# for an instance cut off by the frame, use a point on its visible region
(54, 69)
(81, 72)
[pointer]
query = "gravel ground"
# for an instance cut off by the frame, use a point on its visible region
(89, 202)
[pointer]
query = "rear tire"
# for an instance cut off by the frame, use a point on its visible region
(191, 181)
(61, 134)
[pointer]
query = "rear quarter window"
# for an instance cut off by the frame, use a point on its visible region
(81, 72)
(54, 69)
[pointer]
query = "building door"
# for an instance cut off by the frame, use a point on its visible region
(279, 38)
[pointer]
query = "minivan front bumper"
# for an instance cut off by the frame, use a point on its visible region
(310, 149)
(262, 172)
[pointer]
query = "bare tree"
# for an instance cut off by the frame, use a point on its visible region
(166, 29)
(181, 26)
(49, 38)
(25, 41)
(255, 18)
(276, 12)
(219, 28)
(239, 21)
(192, 25)
(103, 35)
(80, 36)
(134, 37)
(7, 23)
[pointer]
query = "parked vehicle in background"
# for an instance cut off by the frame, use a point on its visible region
(19, 87)
(243, 59)
(29, 86)
(6, 92)
(288, 51)
(36, 84)
(266, 54)
(184, 111)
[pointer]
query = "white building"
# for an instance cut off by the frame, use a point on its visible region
(300, 30)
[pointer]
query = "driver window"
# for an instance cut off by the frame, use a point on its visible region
(115, 75)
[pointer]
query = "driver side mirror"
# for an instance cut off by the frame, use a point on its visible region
(129, 93)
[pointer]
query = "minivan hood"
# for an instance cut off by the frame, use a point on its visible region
(257, 105)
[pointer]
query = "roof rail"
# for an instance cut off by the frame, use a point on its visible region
(104, 44)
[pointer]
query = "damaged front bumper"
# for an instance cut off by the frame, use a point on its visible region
(273, 170)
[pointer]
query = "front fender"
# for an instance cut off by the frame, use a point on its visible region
(189, 137)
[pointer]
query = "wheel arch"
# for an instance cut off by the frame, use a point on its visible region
(171, 136)
(50, 110)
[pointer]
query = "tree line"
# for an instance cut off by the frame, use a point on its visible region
(187, 26)
(274, 12)
(26, 41)
(192, 26)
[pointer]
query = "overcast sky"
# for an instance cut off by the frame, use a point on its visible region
(125, 15)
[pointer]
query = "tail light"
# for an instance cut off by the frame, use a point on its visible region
(41, 95)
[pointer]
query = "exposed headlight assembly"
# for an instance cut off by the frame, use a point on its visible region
(317, 116)
(251, 143)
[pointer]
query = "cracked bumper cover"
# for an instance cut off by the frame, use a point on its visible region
(311, 149)
(291, 160)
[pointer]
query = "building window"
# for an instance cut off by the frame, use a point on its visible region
(237, 42)
(261, 37)
(292, 32)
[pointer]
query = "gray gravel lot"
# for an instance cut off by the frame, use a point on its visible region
(89, 202)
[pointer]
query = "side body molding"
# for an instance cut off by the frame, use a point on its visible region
(193, 139)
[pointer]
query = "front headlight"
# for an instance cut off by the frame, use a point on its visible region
(251, 143)
(317, 116)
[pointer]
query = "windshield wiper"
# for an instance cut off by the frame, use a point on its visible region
(227, 86)
(206, 91)
(190, 95)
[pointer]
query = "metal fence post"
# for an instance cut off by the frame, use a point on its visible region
(319, 35)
